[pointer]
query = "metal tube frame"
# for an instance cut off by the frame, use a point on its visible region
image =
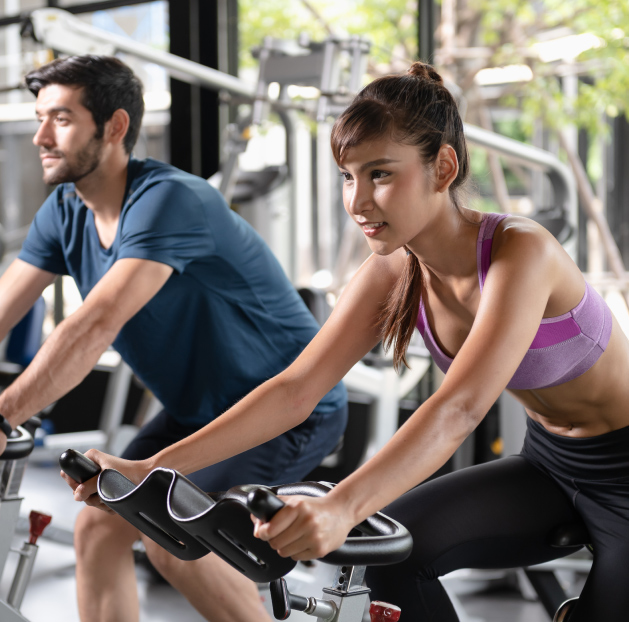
(560, 176)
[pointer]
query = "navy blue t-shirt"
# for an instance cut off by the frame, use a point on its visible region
(225, 321)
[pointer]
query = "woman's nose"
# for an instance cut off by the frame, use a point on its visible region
(358, 198)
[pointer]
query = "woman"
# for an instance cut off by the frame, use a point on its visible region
(500, 305)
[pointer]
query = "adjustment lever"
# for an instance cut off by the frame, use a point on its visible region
(79, 467)
(283, 601)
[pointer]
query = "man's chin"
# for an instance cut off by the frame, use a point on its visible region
(53, 178)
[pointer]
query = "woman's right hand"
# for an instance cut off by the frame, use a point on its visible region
(307, 527)
(134, 470)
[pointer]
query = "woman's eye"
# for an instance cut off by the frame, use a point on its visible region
(346, 176)
(379, 174)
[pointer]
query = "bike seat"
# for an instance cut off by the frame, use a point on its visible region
(570, 535)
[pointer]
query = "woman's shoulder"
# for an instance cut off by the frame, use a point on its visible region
(518, 234)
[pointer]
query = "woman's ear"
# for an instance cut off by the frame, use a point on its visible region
(446, 168)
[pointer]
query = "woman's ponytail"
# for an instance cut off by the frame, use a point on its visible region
(399, 316)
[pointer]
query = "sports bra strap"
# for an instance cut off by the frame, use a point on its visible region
(483, 246)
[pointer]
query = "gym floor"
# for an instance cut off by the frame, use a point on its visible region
(50, 596)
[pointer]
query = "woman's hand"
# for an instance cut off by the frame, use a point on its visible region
(307, 528)
(136, 471)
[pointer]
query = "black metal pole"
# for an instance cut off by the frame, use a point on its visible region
(194, 125)
(426, 30)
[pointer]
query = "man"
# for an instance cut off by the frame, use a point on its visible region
(188, 294)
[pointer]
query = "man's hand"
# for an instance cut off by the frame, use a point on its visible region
(136, 471)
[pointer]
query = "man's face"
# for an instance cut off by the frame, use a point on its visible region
(68, 147)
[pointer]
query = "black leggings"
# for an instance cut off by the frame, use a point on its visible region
(500, 514)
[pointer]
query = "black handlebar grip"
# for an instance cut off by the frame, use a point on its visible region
(79, 467)
(20, 444)
(263, 504)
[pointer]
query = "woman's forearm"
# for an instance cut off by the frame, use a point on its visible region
(417, 450)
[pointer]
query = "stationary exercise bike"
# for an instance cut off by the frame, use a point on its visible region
(12, 464)
(189, 523)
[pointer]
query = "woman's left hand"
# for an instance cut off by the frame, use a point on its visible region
(306, 528)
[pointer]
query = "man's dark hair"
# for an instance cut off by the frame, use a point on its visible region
(107, 83)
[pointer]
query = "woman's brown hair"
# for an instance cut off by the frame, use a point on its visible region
(416, 109)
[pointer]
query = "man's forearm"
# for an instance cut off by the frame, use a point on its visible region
(62, 362)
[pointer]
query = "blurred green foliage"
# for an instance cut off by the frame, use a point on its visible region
(513, 27)
(510, 28)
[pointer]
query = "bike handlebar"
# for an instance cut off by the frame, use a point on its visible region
(189, 523)
(79, 467)
(377, 541)
(19, 444)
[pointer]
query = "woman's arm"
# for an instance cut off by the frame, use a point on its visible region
(286, 400)
(514, 299)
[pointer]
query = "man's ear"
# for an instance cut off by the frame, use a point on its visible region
(117, 127)
(446, 168)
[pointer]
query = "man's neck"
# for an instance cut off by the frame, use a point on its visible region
(103, 190)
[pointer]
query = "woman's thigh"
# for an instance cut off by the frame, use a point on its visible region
(494, 515)
(605, 596)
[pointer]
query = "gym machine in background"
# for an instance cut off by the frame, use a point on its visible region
(12, 464)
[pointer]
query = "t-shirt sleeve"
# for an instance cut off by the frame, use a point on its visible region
(169, 223)
(42, 247)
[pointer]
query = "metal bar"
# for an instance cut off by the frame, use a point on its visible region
(551, 593)
(22, 576)
(77, 9)
(180, 68)
(426, 30)
(561, 177)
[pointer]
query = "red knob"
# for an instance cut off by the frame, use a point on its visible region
(39, 522)
(384, 612)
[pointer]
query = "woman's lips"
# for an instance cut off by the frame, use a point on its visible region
(371, 229)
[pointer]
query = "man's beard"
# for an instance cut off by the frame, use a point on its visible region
(85, 162)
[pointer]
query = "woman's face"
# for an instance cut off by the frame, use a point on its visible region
(388, 192)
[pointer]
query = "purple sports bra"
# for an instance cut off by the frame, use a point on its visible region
(565, 346)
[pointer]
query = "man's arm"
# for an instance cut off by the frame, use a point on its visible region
(20, 286)
(76, 344)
